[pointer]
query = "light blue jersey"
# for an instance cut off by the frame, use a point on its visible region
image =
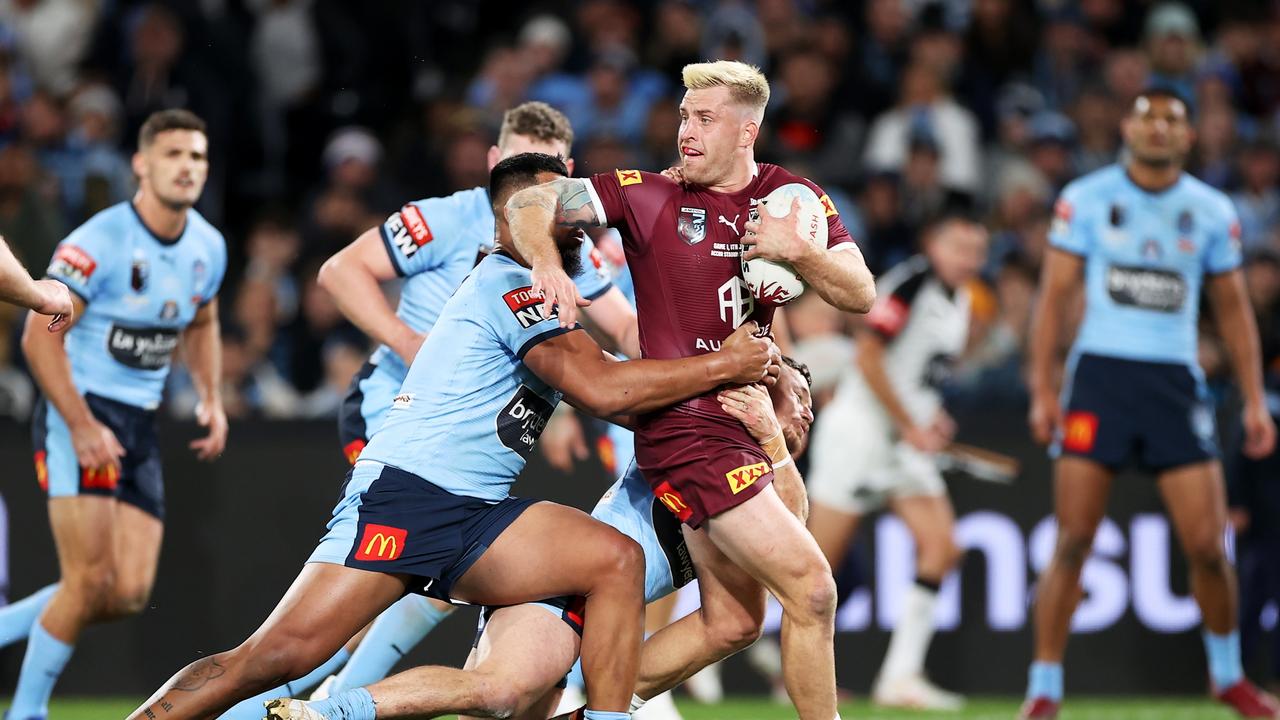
(1146, 255)
(630, 507)
(433, 244)
(140, 292)
(469, 412)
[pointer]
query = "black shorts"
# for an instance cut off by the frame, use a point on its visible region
(139, 481)
(353, 425)
(394, 522)
(1116, 411)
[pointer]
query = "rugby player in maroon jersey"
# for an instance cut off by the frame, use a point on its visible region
(684, 244)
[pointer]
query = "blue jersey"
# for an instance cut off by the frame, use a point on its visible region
(140, 292)
(433, 244)
(1146, 255)
(469, 412)
(629, 506)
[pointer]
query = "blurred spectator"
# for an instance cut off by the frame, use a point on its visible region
(343, 355)
(1063, 62)
(29, 219)
(883, 53)
(353, 193)
(95, 116)
(804, 125)
(251, 387)
(318, 323)
(1172, 40)
(53, 36)
(1212, 158)
(1051, 138)
(924, 196)
(676, 37)
(733, 32)
(1097, 118)
(924, 101)
(888, 240)
(1258, 199)
(10, 109)
(1126, 75)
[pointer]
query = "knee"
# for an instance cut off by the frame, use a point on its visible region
(129, 601)
(501, 700)
(731, 633)
(275, 659)
(92, 589)
(1074, 544)
(1206, 552)
(820, 596)
(938, 557)
(622, 561)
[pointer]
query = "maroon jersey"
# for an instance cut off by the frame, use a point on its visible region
(683, 250)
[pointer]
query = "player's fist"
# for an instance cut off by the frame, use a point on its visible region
(747, 355)
(54, 299)
(925, 438)
(213, 417)
(1259, 432)
(1045, 417)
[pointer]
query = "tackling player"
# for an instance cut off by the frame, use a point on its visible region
(426, 507)
(1142, 237)
(432, 244)
(522, 651)
(685, 245)
(46, 297)
(912, 336)
(145, 274)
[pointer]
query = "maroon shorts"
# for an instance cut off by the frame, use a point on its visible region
(700, 469)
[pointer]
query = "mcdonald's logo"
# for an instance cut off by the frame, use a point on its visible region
(352, 450)
(671, 497)
(744, 477)
(381, 542)
(1080, 431)
(629, 177)
(101, 478)
(42, 470)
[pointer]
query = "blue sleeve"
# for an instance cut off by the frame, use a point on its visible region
(1070, 231)
(594, 279)
(217, 271)
(419, 235)
(515, 314)
(1223, 254)
(83, 260)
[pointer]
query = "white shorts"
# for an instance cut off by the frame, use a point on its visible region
(857, 466)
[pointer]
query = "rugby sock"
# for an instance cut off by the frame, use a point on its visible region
(911, 637)
(396, 631)
(45, 658)
(1044, 680)
(17, 618)
(347, 705)
(602, 715)
(1223, 652)
(251, 709)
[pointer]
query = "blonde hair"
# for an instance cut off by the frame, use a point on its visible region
(747, 85)
(536, 120)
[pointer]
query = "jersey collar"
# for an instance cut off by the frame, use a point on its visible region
(159, 238)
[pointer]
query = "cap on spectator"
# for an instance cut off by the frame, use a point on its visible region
(1051, 127)
(1019, 99)
(545, 30)
(352, 143)
(615, 58)
(1172, 19)
(98, 99)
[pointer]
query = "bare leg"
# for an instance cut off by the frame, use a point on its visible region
(833, 530)
(326, 605)
(932, 524)
(523, 653)
(1080, 489)
(1196, 499)
(528, 562)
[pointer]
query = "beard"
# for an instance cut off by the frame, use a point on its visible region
(570, 255)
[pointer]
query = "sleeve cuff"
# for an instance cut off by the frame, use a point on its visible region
(598, 293)
(542, 336)
(595, 201)
(393, 254)
(79, 293)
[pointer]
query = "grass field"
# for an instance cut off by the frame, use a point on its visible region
(741, 709)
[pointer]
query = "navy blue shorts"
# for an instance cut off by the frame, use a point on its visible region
(1158, 415)
(394, 522)
(139, 481)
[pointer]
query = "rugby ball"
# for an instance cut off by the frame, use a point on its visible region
(775, 283)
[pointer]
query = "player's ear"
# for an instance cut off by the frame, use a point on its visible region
(750, 131)
(494, 157)
(138, 164)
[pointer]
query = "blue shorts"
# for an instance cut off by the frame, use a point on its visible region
(394, 522)
(139, 481)
(365, 406)
(1158, 415)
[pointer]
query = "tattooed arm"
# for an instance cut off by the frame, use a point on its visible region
(531, 214)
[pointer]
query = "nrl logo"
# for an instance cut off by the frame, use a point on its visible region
(692, 224)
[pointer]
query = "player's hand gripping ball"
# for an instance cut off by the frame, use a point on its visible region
(773, 282)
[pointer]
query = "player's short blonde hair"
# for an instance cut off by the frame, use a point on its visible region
(747, 85)
(536, 120)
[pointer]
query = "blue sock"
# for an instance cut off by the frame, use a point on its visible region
(396, 631)
(46, 656)
(1223, 652)
(17, 618)
(347, 705)
(251, 709)
(602, 715)
(1045, 680)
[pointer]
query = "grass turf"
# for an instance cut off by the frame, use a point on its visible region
(1131, 708)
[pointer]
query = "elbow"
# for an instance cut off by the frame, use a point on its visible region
(860, 299)
(327, 278)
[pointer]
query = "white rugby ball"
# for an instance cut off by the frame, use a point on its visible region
(775, 283)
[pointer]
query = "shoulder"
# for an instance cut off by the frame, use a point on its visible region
(110, 219)
(1208, 198)
(205, 230)
(1100, 180)
(638, 179)
(906, 279)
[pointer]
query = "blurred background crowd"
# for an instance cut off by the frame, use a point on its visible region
(325, 115)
